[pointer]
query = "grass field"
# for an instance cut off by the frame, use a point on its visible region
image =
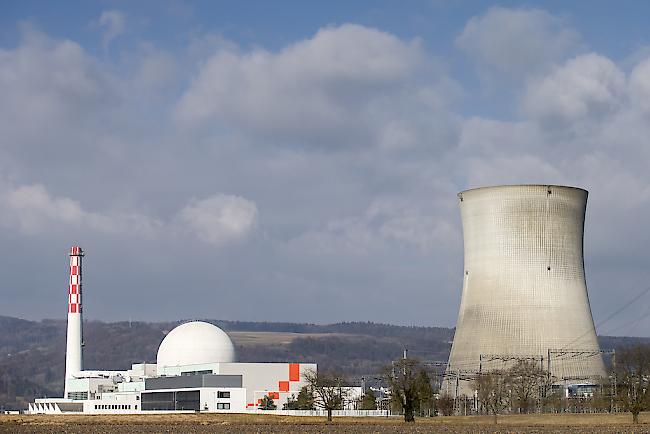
(274, 338)
(221, 423)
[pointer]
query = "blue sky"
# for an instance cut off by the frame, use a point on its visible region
(299, 161)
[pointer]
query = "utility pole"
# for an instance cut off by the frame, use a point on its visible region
(615, 392)
(456, 394)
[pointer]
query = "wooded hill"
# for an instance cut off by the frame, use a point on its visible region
(32, 353)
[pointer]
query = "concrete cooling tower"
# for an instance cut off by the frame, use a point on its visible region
(524, 291)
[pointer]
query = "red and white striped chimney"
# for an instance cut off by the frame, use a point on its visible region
(74, 354)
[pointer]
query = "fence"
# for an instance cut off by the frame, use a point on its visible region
(323, 413)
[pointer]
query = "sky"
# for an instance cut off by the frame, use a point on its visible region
(299, 161)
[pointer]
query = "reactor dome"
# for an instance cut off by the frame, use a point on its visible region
(194, 343)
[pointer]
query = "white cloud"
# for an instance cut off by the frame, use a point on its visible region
(89, 148)
(639, 85)
(45, 82)
(386, 221)
(343, 84)
(33, 210)
(516, 42)
(220, 219)
(114, 24)
(587, 87)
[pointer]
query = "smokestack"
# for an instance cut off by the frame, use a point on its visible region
(73, 354)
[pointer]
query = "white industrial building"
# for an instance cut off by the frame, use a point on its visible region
(195, 370)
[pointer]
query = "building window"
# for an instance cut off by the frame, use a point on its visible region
(173, 400)
(203, 372)
(223, 406)
(223, 394)
(77, 395)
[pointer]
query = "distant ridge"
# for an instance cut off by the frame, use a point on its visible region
(32, 353)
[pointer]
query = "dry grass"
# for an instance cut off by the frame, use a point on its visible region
(274, 338)
(245, 423)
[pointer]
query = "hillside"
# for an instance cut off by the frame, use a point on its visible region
(32, 353)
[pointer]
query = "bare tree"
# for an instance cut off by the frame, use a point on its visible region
(527, 383)
(329, 390)
(445, 405)
(633, 374)
(493, 391)
(402, 378)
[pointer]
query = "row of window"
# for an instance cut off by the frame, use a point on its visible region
(223, 406)
(77, 395)
(206, 371)
(223, 394)
(114, 407)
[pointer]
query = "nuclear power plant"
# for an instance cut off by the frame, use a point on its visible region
(195, 370)
(524, 293)
(524, 297)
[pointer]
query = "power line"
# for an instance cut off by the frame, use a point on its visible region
(619, 310)
(635, 321)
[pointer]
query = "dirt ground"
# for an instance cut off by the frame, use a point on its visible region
(220, 423)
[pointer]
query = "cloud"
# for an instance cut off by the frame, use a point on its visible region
(217, 220)
(386, 222)
(220, 219)
(340, 86)
(46, 82)
(114, 24)
(349, 139)
(587, 87)
(33, 210)
(639, 85)
(516, 42)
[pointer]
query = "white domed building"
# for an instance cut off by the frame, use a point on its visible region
(195, 343)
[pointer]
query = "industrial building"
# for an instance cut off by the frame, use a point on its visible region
(524, 293)
(195, 370)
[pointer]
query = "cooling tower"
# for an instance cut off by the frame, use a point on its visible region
(524, 291)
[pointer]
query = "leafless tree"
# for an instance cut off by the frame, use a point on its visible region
(402, 378)
(493, 391)
(329, 390)
(527, 384)
(633, 366)
(445, 405)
